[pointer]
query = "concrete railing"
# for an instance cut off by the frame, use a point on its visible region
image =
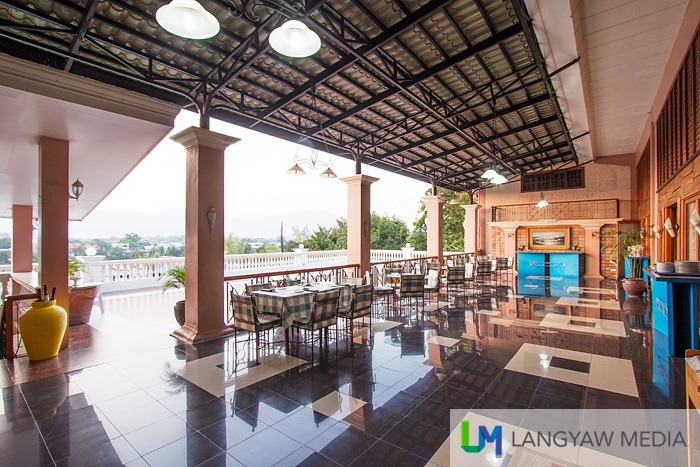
(122, 275)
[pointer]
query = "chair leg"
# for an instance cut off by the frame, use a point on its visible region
(257, 347)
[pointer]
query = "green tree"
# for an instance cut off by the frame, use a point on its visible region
(5, 257)
(235, 246)
(134, 240)
(5, 241)
(117, 253)
(269, 248)
(453, 223)
(177, 251)
(387, 232)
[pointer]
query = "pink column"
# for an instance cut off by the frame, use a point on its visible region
(509, 241)
(53, 219)
(204, 250)
(434, 221)
(359, 212)
(471, 226)
(592, 247)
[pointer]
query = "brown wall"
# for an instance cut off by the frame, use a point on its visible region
(498, 247)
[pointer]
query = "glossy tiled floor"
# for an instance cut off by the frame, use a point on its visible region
(148, 400)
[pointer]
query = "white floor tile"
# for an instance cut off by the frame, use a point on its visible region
(337, 405)
(622, 372)
(619, 386)
(610, 361)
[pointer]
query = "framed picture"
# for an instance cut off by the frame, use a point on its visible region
(549, 238)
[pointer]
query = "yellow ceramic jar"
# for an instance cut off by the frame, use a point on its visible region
(42, 328)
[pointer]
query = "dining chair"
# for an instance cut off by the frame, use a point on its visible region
(345, 299)
(502, 267)
(483, 271)
(412, 287)
(433, 285)
(250, 288)
(460, 261)
(291, 282)
(324, 314)
(361, 306)
(469, 275)
(247, 318)
(354, 280)
(455, 279)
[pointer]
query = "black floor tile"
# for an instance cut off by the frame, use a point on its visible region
(417, 437)
(375, 421)
(600, 399)
(112, 453)
(543, 400)
(274, 409)
(304, 425)
(346, 447)
(433, 413)
(306, 392)
(383, 454)
(400, 402)
(206, 414)
(232, 430)
(306, 457)
(456, 395)
(515, 378)
(265, 448)
(511, 393)
(568, 364)
(570, 390)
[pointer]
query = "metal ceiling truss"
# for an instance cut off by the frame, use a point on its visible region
(374, 93)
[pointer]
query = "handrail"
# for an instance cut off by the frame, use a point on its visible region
(376, 263)
(288, 271)
(8, 348)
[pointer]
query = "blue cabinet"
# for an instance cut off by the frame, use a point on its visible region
(560, 264)
(531, 264)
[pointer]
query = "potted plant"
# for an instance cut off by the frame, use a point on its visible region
(81, 298)
(630, 245)
(175, 278)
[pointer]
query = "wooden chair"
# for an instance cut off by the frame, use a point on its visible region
(502, 267)
(483, 271)
(246, 317)
(324, 314)
(291, 282)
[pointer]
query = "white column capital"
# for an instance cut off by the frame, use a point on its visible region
(471, 207)
(359, 179)
(435, 199)
(195, 136)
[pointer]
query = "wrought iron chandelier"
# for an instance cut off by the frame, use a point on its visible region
(313, 160)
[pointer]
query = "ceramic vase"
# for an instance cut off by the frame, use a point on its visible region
(42, 328)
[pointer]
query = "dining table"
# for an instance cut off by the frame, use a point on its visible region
(294, 303)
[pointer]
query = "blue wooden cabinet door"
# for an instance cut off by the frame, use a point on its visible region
(660, 301)
(531, 264)
(563, 264)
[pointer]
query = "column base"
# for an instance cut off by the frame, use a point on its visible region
(193, 335)
(595, 277)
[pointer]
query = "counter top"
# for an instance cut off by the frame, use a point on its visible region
(553, 251)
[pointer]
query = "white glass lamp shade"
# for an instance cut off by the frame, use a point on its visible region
(295, 39)
(499, 179)
(296, 170)
(188, 19)
(328, 173)
(543, 202)
(489, 174)
(669, 228)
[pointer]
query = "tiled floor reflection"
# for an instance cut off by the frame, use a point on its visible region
(150, 400)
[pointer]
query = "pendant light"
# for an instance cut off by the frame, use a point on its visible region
(188, 19)
(328, 173)
(489, 174)
(499, 179)
(542, 203)
(294, 39)
(296, 170)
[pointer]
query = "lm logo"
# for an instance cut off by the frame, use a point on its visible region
(496, 436)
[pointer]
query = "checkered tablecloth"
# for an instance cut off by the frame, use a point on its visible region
(289, 307)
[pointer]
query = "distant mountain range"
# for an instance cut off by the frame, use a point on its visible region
(102, 224)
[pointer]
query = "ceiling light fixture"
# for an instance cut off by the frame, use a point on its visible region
(188, 19)
(295, 39)
(489, 174)
(313, 160)
(499, 179)
(543, 202)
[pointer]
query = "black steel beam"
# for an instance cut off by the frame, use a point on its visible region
(348, 60)
(88, 13)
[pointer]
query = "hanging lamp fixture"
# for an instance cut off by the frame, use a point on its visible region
(188, 19)
(543, 202)
(294, 39)
(313, 160)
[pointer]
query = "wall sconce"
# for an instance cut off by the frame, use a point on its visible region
(670, 228)
(77, 189)
(695, 220)
(657, 230)
(595, 234)
(211, 217)
(366, 228)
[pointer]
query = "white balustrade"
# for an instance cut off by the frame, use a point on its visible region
(122, 275)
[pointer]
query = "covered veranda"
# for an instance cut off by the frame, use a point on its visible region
(439, 91)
